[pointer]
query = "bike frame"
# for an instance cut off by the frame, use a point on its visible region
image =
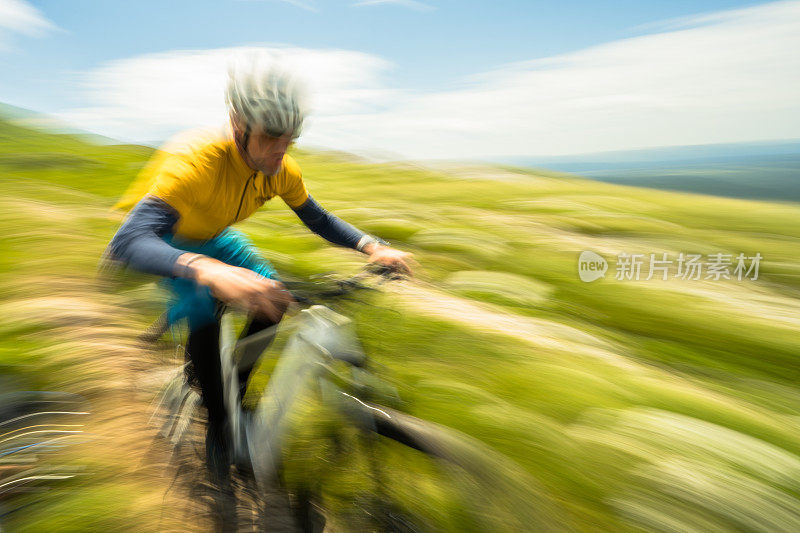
(321, 336)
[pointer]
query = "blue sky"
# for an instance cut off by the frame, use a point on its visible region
(438, 69)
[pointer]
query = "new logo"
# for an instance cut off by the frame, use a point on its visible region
(591, 266)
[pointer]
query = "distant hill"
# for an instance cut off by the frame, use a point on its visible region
(41, 121)
(763, 170)
(76, 161)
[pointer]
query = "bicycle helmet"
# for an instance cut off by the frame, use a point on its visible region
(265, 98)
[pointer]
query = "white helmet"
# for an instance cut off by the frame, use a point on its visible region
(265, 98)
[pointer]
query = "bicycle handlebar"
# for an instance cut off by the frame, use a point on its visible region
(338, 288)
(314, 294)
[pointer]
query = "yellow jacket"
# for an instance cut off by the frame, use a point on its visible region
(204, 178)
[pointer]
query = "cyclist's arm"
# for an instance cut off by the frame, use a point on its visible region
(138, 242)
(332, 228)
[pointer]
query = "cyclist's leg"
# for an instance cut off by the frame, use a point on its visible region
(196, 303)
(201, 310)
(203, 350)
(234, 248)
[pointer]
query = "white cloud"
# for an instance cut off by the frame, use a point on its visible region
(725, 77)
(18, 16)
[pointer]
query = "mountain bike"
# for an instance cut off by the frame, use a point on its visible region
(365, 436)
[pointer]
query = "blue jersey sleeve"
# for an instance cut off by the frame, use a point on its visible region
(328, 226)
(138, 242)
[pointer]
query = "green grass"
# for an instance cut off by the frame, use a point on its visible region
(636, 393)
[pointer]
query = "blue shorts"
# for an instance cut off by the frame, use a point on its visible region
(195, 302)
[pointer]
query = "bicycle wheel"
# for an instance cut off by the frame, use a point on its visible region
(181, 417)
(405, 474)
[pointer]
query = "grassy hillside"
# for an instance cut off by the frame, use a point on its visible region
(663, 405)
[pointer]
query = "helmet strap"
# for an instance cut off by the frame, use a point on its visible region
(246, 139)
(243, 141)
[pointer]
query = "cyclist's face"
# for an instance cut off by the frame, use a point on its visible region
(267, 152)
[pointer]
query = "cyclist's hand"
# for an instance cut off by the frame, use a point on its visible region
(242, 288)
(393, 258)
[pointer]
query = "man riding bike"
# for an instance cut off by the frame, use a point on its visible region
(185, 201)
